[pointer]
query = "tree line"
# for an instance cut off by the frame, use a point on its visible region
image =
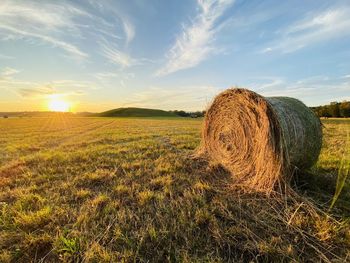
(334, 109)
(192, 114)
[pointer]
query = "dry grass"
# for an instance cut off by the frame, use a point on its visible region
(110, 190)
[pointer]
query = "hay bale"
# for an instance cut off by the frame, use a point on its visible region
(260, 140)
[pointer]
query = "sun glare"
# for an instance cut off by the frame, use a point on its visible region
(58, 105)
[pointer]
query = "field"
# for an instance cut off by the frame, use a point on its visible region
(122, 189)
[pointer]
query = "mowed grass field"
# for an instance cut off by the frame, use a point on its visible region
(122, 189)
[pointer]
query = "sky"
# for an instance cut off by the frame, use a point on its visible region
(169, 55)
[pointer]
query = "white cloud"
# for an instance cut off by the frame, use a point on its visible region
(129, 30)
(195, 43)
(110, 75)
(68, 84)
(313, 90)
(46, 15)
(7, 72)
(36, 91)
(317, 28)
(50, 40)
(44, 91)
(266, 50)
(66, 26)
(118, 57)
(40, 89)
(325, 19)
(106, 75)
(110, 7)
(5, 57)
(42, 21)
(190, 98)
(313, 80)
(111, 78)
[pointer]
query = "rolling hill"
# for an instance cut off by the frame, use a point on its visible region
(136, 112)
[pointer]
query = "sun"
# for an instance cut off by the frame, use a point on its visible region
(58, 105)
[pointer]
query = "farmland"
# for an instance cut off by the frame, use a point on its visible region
(123, 189)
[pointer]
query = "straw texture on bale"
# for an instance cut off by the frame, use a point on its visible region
(260, 140)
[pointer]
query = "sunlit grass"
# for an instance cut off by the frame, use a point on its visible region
(113, 190)
(343, 171)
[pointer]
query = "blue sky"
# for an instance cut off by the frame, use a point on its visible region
(171, 54)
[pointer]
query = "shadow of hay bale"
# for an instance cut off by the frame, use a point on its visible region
(260, 227)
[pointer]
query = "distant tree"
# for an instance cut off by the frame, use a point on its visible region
(344, 109)
(334, 110)
(182, 113)
(194, 114)
(325, 111)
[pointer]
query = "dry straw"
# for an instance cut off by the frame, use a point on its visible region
(260, 140)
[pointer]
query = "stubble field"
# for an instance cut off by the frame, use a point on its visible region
(122, 189)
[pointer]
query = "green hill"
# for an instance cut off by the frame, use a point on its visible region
(136, 112)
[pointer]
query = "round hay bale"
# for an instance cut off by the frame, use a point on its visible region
(260, 140)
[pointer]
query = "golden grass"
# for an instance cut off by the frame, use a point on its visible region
(112, 190)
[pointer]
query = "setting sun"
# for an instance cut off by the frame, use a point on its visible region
(58, 105)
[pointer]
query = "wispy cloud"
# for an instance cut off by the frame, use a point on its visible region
(50, 40)
(304, 89)
(185, 98)
(195, 44)
(122, 75)
(5, 57)
(7, 72)
(110, 44)
(68, 84)
(36, 91)
(107, 7)
(47, 15)
(106, 75)
(118, 57)
(315, 28)
(28, 89)
(45, 91)
(65, 26)
(266, 84)
(44, 21)
(129, 30)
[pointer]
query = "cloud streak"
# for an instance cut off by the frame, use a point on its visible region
(45, 91)
(69, 48)
(129, 30)
(36, 89)
(186, 98)
(194, 45)
(8, 72)
(317, 28)
(46, 22)
(5, 57)
(36, 92)
(66, 25)
(118, 57)
(304, 89)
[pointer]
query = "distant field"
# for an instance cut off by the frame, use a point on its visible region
(113, 189)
